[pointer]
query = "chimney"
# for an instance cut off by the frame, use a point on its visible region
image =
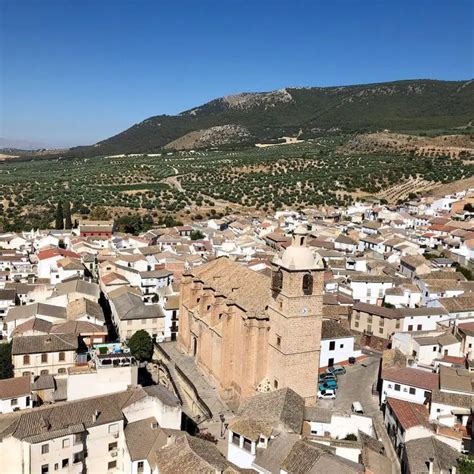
(95, 416)
(430, 466)
(44, 423)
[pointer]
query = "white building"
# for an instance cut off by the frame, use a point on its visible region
(370, 288)
(86, 435)
(411, 385)
(337, 344)
(15, 394)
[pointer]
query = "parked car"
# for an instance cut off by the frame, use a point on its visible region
(337, 370)
(329, 384)
(325, 376)
(357, 408)
(327, 394)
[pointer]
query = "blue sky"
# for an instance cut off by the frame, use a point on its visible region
(77, 71)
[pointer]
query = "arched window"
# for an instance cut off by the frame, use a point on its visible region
(307, 284)
(277, 280)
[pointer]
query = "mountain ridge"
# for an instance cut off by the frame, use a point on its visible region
(421, 104)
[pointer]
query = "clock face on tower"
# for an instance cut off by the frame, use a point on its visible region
(304, 311)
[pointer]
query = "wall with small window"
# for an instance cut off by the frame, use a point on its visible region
(9, 405)
(404, 392)
(335, 351)
(61, 453)
(43, 363)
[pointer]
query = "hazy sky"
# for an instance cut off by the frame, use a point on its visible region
(77, 71)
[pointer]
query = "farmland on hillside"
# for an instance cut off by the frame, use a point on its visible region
(186, 183)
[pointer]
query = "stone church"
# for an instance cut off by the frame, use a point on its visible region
(252, 333)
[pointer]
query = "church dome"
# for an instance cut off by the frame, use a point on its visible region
(298, 256)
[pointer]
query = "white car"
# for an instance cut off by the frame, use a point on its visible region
(327, 394)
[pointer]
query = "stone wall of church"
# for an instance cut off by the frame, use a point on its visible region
(231, 349)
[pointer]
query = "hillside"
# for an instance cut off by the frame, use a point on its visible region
(248, 118)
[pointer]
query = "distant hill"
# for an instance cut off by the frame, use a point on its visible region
(249, 118)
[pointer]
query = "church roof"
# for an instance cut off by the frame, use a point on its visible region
(248, 289)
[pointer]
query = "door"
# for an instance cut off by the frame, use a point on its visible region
(331, 362)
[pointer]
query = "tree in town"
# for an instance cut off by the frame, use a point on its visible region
(141, 346)
(197, 235)
(59, 219)
(67, 216)
(6, 366)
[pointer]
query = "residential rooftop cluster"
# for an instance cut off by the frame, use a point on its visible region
(260, 328)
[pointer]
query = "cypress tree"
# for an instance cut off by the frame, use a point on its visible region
(67, 216)
(59, 224)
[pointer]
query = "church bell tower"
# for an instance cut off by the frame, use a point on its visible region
(295, 313)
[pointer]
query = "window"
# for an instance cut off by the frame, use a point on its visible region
(236, 439)
(26, 374)
(44, 358)
(369, 292)
(341, 346)
(357, 315)
(381, 321)
(45, 449)
(112, 465)
(435, 348)
(277, 280)
(307, 284)
(397, 324)
(66, 442)
(427, 394)
(140, 466)
(44, 372)
(45, 469)
(247, 444)
(14, 402)
(356, 324)
(369, 328)
(389, 385)
(77, 439)
(56, 466)
(26, 360)
(380, 330)
(65, 463)
(62, 370)
(332, 345)
(113, 428)
(397, 387)
(78, 457)
(412, 391)
(112, 446)
(419, 327)
(278, 341)
(410, 327)
(62, 356)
